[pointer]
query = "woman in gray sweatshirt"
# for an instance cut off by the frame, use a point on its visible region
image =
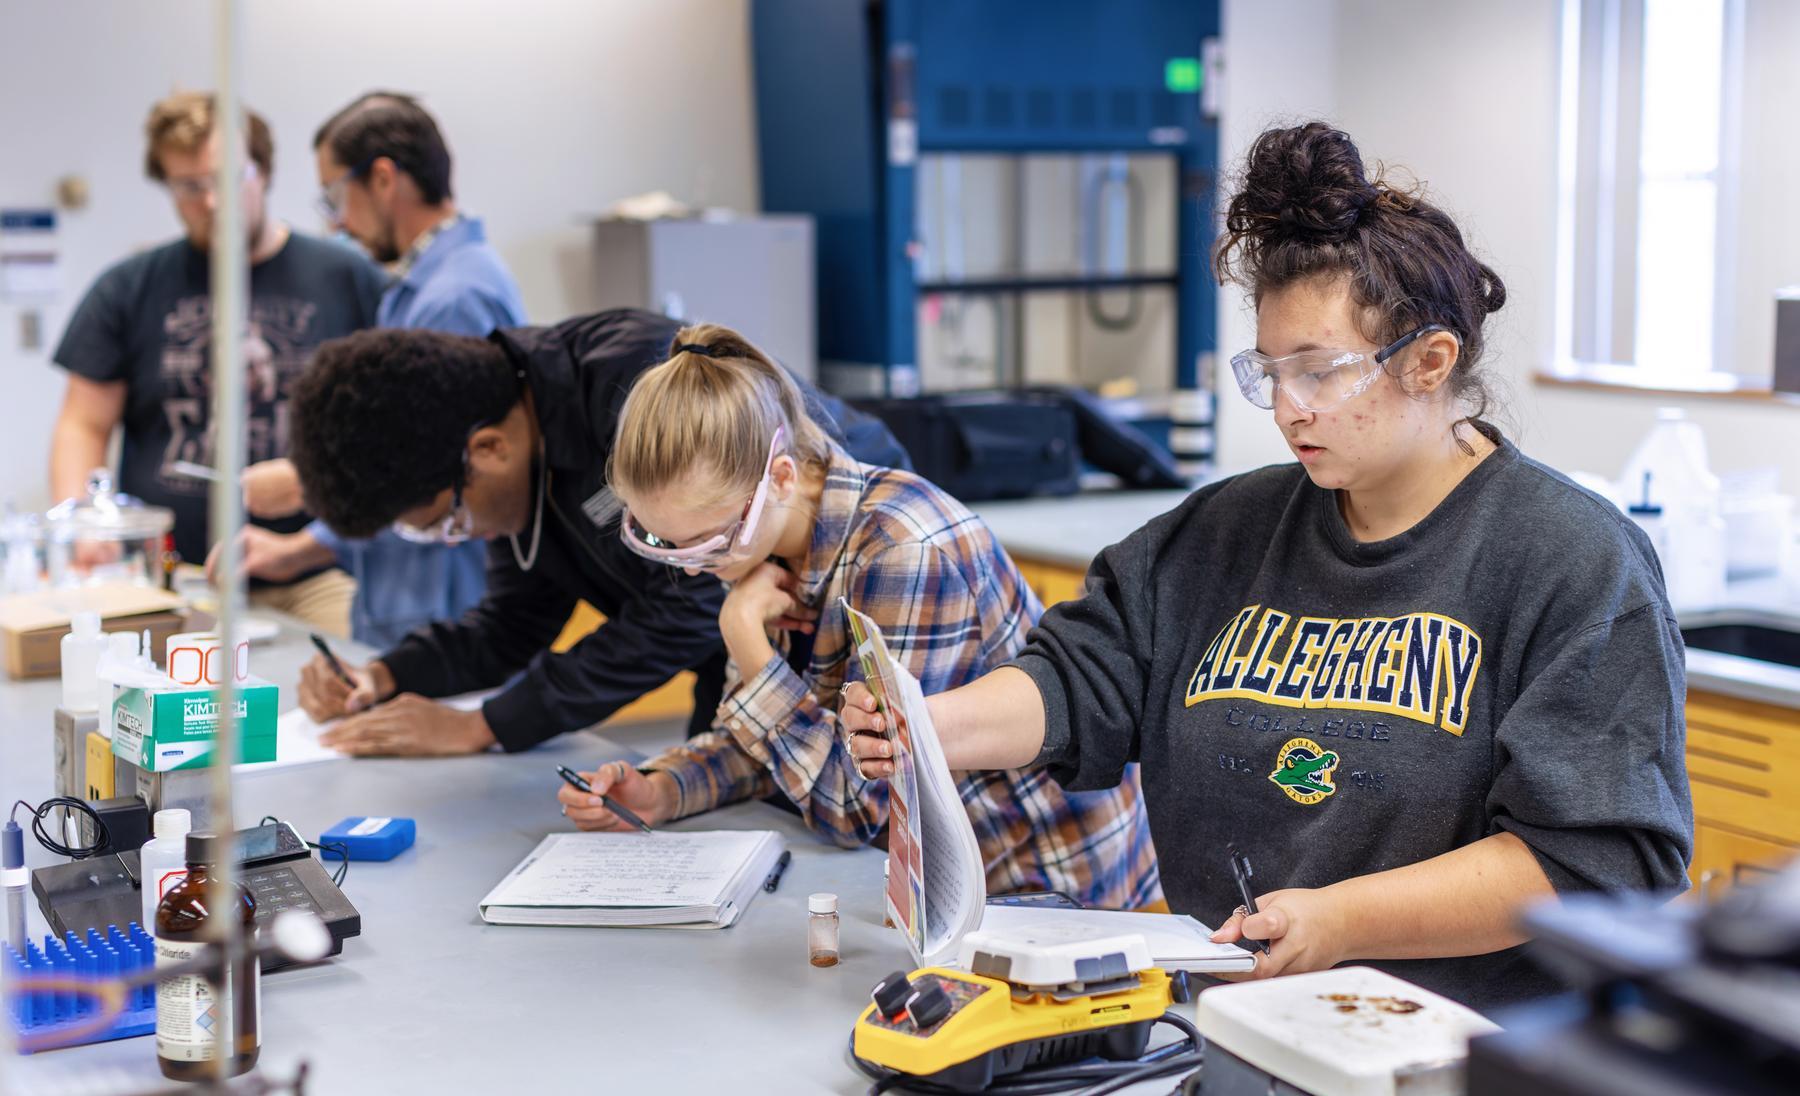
(1420, 679)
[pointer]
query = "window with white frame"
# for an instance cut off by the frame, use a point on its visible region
(1647, 154)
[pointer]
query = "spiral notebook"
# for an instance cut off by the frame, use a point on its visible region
(672, 879)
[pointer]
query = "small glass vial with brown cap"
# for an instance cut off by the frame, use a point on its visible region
(822, 930)
(187, 1036)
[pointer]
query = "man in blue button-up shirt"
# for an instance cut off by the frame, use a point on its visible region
(385, 174)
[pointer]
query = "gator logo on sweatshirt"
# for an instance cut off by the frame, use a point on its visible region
(1303, 770)
(1419, 666)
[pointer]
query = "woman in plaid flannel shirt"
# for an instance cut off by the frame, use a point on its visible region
(721, 468)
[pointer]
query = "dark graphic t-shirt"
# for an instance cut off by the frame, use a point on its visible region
(148, 322)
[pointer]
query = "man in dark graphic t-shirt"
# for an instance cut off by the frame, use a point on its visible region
(138, 353)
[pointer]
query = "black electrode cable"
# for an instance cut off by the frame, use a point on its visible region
(41, 812)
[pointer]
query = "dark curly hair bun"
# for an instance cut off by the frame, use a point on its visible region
(1305, 207)
(1306, 184)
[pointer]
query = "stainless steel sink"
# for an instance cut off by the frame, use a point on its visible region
(1762, 642)
(1753, 653)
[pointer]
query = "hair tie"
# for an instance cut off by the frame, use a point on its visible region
(695, 348)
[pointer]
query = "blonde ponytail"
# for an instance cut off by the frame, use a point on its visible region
(713, 409)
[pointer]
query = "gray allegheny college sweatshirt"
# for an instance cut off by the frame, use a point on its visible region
(1336, 708)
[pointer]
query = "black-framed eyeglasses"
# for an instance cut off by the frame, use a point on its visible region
(330, 201)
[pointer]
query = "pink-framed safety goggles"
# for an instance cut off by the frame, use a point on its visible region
(717, 550)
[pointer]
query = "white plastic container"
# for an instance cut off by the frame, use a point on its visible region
(1668, 469)
(117, 661)
(1674, 453)
(163, 861)
(80, 661)
(1759, 533)
(1697, 550)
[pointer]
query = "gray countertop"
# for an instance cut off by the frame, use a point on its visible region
(1070, 532)
(431, 999)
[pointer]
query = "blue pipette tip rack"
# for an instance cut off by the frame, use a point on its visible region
(98, 958)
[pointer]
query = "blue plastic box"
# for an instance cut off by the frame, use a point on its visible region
(374, 838)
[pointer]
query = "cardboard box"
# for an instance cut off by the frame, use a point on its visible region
(32, 625)
(161, 730)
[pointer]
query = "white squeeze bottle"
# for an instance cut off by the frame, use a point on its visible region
(119, 658)
(80, 656)
(163, 862)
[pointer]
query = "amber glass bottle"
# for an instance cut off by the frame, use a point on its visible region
(187, 1037)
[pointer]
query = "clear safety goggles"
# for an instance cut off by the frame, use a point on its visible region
(715, 551)
(455, 527)
(1316, 380)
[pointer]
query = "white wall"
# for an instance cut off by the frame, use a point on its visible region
(553, 108)
(1464, 93)
(1281, 63)
(1768, 229)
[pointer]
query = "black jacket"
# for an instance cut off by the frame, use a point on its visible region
(659, 621)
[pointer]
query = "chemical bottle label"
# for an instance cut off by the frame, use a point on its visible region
(187, 1017)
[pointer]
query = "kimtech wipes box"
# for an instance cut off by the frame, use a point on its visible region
(161, 730)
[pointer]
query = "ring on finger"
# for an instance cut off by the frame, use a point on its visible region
(1241, 911)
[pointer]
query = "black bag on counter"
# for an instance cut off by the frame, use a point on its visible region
(1114, 446)
(987, 445)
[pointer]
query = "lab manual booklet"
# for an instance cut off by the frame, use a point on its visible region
(936, 885)
(667, 879)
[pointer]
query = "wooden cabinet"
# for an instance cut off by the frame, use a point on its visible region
(674, 700)
(1724, 857)
(1744, 771)
(1052, 582)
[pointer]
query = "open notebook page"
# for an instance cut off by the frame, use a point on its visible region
(297, 736)
(666, 868)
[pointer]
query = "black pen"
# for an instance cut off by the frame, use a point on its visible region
(575, 781)
(336, 666)
(774, 879)
(1240, 869)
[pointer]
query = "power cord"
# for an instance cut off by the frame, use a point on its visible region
(1079, 1079)
(41, 812)
(338, 847)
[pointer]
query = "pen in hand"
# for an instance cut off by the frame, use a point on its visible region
(332, 659)
(574, 780)
(1240, 870)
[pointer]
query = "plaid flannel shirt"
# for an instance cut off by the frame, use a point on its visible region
(952, 607)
